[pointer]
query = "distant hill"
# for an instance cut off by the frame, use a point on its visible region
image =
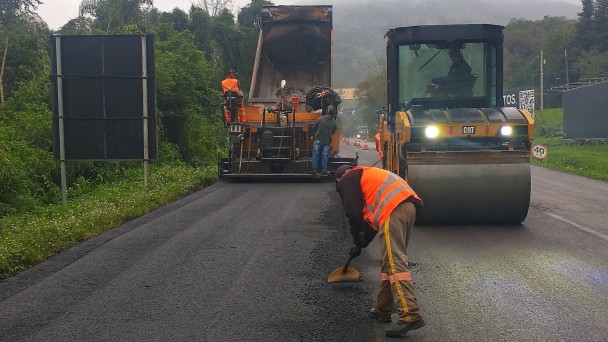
(360, 25)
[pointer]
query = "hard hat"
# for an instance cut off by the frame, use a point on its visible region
(342, 170)
(231, 72)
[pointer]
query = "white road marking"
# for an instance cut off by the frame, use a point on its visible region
(583, 228)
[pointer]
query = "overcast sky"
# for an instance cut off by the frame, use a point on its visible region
(57, 13)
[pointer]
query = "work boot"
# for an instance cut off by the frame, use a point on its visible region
(384, 318)
(403, 328)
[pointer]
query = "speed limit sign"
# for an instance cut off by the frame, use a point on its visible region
(539, 151)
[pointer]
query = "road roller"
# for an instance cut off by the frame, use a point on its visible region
(446, 129)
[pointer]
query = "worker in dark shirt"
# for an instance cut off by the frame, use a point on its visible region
(323, 128)
(458, 81)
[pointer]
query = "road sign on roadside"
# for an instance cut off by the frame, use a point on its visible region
(539, 151)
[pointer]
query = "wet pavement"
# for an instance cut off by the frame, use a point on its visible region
(249, 262)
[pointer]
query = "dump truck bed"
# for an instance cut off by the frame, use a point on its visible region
(295, 44)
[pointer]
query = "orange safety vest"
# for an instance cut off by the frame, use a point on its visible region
(382, 193)
(230, 84)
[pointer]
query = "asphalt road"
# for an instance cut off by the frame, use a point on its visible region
(249, 262)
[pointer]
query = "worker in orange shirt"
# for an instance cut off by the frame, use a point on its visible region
(230, 83)
(233, 96)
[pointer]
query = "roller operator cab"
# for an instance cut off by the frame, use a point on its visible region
(446, 129)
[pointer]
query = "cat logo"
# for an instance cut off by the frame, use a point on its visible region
(468, 129)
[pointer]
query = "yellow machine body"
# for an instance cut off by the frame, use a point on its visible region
(466, 155)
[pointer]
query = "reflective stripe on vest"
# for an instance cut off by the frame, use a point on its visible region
(401, 276)
(382, 192)
(383, 276)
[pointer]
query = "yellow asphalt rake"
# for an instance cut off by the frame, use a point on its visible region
(344, 274)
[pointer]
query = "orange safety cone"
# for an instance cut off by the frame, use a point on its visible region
(365, 147)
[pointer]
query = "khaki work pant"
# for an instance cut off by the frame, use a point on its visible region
(396, 289)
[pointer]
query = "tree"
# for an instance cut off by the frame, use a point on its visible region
(583, 37)
(249, 16)
(200, 23)
(178, 19)
(600, 23)
(372, 92)
(80, 25)
(591, 63)
(188, 97)
(9, 9)
(28, 57)
(214, 7)
(11, 12)
(229, 40)
(112, 15)
(524, 39)
(554, 49)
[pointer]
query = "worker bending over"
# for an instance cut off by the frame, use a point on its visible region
(378, 202)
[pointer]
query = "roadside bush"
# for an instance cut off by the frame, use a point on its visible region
(24, 174)
(168, 154)
(203, 139)
(188, 101)
(27, 169)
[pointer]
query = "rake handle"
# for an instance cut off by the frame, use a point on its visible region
(347, 264)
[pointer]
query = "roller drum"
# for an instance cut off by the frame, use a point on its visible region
(472, 193)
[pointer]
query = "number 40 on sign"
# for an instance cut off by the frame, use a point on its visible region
(539, 151)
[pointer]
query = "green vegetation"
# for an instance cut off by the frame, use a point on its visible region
(29, 238)
(193, 51)
(585, 160)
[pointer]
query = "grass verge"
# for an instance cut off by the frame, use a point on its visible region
(585, 160)
(27, 239)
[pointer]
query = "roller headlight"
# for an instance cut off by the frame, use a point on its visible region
(431, 132)
(506, 131)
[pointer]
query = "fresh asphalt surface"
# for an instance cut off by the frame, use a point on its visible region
(249, 262)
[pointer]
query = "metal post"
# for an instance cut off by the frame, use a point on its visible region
(542, 62)
(62, 161)
(567, 73)
(144, 84)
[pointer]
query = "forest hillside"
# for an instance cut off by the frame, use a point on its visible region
(359, 26)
